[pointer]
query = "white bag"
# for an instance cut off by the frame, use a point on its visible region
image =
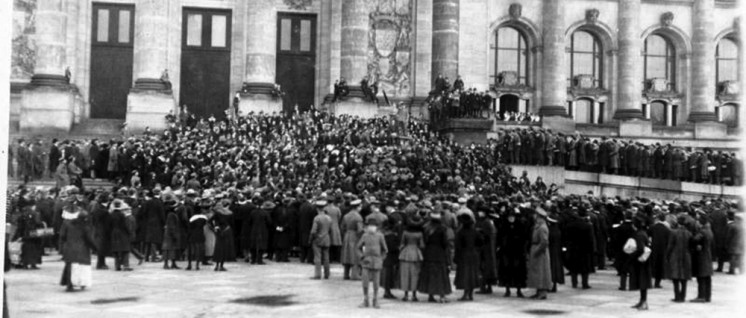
(631, 246)
(645, 255)
(80, 275)
(14, 249)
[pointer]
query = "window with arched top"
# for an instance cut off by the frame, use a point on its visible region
(726, 57)
(511, 54)
(659, 59)
(585, 57)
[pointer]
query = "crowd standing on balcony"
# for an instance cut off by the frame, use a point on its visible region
(456, 101)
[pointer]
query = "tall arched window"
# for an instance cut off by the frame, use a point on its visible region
(511, 53)
(726, 57)
(585, 57)
(660, 59)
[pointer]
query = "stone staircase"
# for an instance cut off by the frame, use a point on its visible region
(87, 129)
(49, 183)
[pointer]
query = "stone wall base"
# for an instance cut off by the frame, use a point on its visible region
(259, 103)
(558, 123)
(148, 109)
(710, 130)
(635, 128)
(47, 109)
(355, 106)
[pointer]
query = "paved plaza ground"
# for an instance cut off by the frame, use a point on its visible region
(286, 290)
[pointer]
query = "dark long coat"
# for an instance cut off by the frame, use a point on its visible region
(122, 233)
(101, 221)
(639, 272)
(154, 215)
(487, 252)
(555, 253)
(702, 252)
(306, 213)
(620, 236)
(433, 278)
(659, 234)
(76, 241)
(172, 239)
(579, 239)
(281, 218)
(31, 249)
(259, 223)
(678, 254)
(512, 254)
(468, 244)
(719, 222)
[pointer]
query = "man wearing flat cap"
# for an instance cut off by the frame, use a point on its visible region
(351, 229)
(375, 208)
(320, 239)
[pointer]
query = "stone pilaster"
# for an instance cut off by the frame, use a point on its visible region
(445, 39)
(553, 72)
(49, 102)
(353, 62)
(261, 42)
(629, 89)
(703, 62)
(151, 98)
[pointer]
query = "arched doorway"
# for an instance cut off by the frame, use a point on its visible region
(508, 103)
(658, 114)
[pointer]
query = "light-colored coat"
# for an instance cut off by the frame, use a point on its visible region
(352, 229)
(333, 212)
(321, 231)
(539, 266)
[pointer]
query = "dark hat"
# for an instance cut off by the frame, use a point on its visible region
(268, 205)
(372, 221)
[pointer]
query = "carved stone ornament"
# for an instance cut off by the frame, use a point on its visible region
(298, 4)
(583, 81)
(508, 78)
(667, 19)
(658, 85)
(591, 15)
(515, 10)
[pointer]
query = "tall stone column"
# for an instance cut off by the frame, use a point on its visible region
(702, 108)
(261, 39)
(629, 89)
(445, 39)
(553, 72)
(48, 103)
(151, 98)
(353, 62)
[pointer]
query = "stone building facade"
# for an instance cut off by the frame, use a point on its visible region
(638, 64)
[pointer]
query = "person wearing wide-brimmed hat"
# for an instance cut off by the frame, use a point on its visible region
(171, 233)
(434, 278)
(352, 230)
(539, 274)
(555, 251)
(580, 242)
(220, 222)
(467, 245)
(372, 248)
(122, 233)
(487, 257)
(102, 225)
(76, 243)
(320, 240)
(512, 247)
(410, 255)
(154, 217)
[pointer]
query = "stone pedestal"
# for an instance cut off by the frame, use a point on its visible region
(562, 124)
(635, 128)
(710, 130)
(148, 108)
(47, 109)
(259, 102)
(356, 106)
(466, 130)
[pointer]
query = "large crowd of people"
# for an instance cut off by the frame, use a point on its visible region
(397, 211)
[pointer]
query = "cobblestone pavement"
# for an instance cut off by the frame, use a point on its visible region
(282, 290)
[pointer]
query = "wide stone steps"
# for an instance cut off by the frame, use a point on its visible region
(49, 183)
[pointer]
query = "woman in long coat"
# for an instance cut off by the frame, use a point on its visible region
(410, 257)
(172, 240)
(112, 166)
(76, 243)
(679, 258)
(572, 146)
(390, 271)
(154, 215)
(29, 221)
(512, 254)
(702, 259)
(282, 221)
(579, 239)
(468, 244)
(659, 234)
(639, 271)
(555, 254)
(61, 177)
(539, 268)
(220, 223)
(122, 233)
(487, 257)
(434, 275)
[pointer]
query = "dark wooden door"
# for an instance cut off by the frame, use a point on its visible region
(296, 59)
(111, 59)
(205, 61)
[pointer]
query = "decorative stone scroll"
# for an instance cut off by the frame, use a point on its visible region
(299, 4)
(667, 19)
(591, 15)
(515, 10)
